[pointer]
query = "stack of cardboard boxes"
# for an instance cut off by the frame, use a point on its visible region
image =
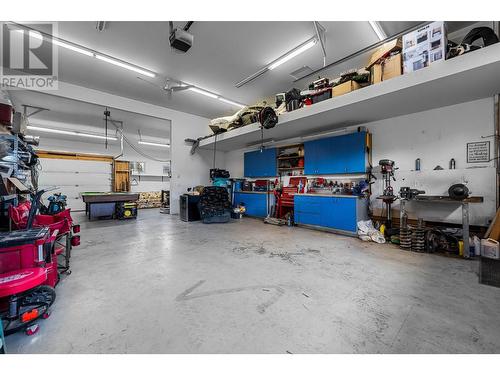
(386, 62)
(417, 49)
(345, 87)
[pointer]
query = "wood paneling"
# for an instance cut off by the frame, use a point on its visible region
(121, 176)
(72, 156)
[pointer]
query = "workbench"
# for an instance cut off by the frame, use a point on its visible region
(446, 199)
(93, 200)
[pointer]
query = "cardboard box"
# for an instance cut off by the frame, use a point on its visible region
(345, 87)
(424, 46)
(389, 68)
(383, 51)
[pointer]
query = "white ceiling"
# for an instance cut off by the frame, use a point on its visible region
(223, 53)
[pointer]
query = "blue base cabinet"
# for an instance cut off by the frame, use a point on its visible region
(337, 213)
(255, 203)
(261, 163)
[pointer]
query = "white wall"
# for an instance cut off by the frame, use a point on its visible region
(435, 137)
(187, 170)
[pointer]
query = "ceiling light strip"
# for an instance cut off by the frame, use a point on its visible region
(280, 60)
(378, 30)
(290, 55)
(215, 96)
(153, 144)
(70, 132)
(203, 92)
(252, 77)
(72, 47)
(85, 51)
(124, 65)
(236, 104)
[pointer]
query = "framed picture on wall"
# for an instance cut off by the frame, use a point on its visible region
(478, 152)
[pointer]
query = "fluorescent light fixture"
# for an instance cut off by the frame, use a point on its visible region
(231, 102)
(70, 132)
(213, 96)
(280, 60)
(88, 52)
(378, 30)
(125, 65)
(37, 35)
(292, 54)
(153, 144)
(203, 92)
(72, 47)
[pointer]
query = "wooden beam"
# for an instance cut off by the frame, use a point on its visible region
(73, 156)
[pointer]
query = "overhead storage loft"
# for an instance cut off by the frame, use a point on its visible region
(461, 79)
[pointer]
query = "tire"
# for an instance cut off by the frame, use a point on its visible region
(43, 294)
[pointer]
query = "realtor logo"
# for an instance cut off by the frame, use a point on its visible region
(28, 57)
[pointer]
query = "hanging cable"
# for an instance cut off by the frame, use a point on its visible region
(135, 148)
(139, 151)
(107, 113)
(261, 138)
(215, 148)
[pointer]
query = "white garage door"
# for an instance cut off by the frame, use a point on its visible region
(73, 177)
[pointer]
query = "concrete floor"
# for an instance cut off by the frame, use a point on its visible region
(159, 285)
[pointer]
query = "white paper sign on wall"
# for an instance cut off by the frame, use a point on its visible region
(478, 152)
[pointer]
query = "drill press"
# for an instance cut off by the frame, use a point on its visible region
(387, 169)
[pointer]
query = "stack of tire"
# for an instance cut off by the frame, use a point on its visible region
(214, 205)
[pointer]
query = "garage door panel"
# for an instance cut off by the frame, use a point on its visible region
(63, 165)
(72, 177)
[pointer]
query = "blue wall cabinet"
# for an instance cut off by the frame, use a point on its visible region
(338, 213)
(255, 203)
(336, 155)
(354, 155)
(261, 163)
(315, 154)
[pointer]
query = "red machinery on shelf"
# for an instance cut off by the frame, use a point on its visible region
(285, 199)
